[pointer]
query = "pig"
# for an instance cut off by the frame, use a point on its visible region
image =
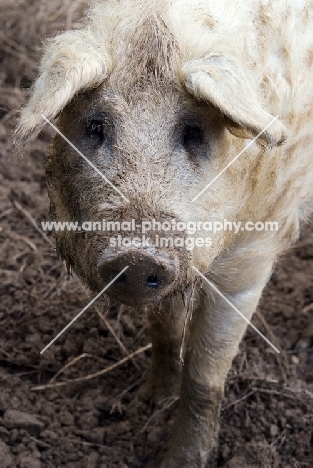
(198, 110)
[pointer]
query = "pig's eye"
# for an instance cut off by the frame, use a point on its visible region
(192, 135)
(95, 128)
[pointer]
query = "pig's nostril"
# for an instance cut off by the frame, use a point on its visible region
(147, 278)
(153, 281)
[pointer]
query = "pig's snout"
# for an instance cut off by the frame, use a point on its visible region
(147, 279)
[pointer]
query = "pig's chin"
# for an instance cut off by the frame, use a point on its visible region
(133, 300)
(147, 278)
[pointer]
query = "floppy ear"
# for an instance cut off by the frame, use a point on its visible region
(222, 80)
(72, 61)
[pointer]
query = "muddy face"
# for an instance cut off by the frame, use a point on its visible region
(139, 100)
(156, 147)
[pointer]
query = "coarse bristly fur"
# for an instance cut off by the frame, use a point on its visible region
(147, 70)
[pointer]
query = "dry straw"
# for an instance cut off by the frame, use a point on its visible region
(24, 25)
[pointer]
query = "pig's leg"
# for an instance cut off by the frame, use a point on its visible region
(165, 328)
(215, 335)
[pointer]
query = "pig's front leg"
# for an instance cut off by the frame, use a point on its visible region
(216, 332)
(165, 328)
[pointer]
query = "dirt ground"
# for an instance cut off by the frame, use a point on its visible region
(46, 421)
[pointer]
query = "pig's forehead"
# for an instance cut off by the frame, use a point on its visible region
(147, 98)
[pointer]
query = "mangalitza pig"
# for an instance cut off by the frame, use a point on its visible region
(160, 96)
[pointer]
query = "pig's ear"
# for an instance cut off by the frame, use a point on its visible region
(72, 61)
(223, 81)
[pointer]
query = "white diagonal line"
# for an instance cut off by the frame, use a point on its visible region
(235, 308)
(84, 157)
(84, 309)
(233, 160)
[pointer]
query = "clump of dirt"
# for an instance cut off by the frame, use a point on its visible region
(99, 422)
